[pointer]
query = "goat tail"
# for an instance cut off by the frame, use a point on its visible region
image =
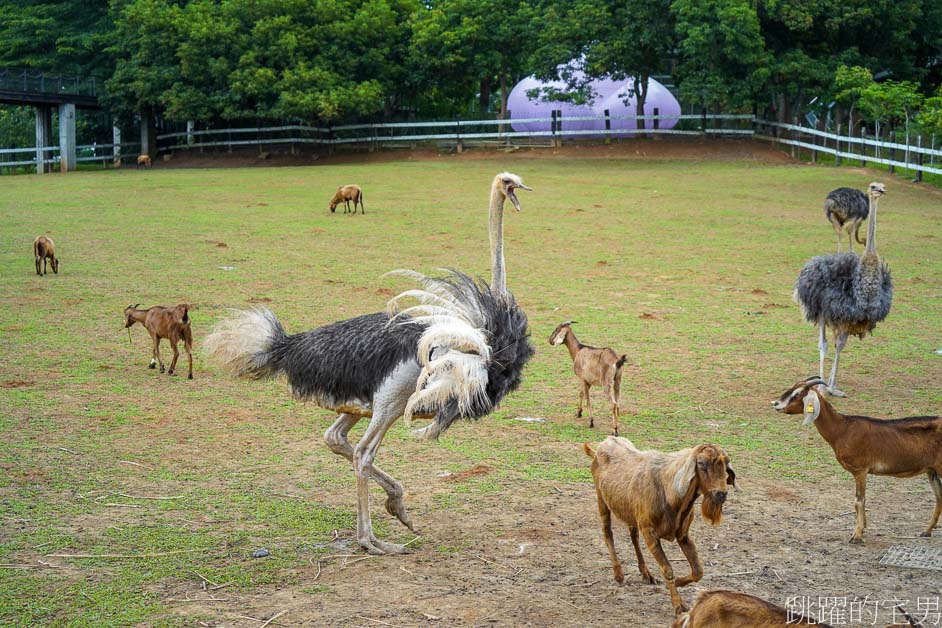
(186, 314)
(588, 450)
(246, 344)
(857, 235)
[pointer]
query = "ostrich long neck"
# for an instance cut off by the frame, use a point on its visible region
(496, 231)
(871, 248)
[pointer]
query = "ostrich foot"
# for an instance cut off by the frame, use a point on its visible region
(834, 392)
(397, 509)
(374, 546)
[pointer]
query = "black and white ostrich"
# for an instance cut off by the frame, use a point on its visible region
(454, 355)
(850, 294)
(846, 209)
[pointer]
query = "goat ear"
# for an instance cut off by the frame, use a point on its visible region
(686, 473)
(812, 407)
(731, 476)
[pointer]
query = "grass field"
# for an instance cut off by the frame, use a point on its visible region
(685, 263)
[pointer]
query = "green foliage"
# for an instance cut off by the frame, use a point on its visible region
(929, 118)
(724, 58)
(890, 102)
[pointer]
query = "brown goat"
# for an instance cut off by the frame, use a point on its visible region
(347, 193)
(45, 249)
(144, 161)
(655, 493)
(593, 367)
(864, 445)
(172, 323)
(732, 609)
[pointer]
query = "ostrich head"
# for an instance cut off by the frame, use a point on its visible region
(505, 183)
(876, 190)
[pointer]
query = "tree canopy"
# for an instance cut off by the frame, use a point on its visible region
(335, 60)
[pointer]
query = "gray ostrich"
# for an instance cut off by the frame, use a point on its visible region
(848, 293)
(846, 209)
(454, 355)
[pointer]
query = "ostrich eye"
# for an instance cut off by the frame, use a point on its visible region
(507, 181)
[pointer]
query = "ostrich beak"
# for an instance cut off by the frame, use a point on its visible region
(513, 197)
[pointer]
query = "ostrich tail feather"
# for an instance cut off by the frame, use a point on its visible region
(242, 343)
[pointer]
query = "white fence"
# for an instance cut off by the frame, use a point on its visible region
(85, 152)
(455, 132)
(917, 158)
(552, 131)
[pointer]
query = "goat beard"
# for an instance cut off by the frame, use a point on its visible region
(711, 509)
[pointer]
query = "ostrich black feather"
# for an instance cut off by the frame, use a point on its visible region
(833, 288)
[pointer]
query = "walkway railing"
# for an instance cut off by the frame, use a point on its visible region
(34, 81)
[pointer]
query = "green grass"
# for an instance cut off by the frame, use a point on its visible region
(685, 265)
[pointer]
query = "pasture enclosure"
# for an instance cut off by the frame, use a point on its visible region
(132, 497)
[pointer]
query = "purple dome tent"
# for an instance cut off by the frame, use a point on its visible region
(608, 94)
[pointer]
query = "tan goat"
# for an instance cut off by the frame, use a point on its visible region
(863, 445)
(45, 249)
(172, 323)
(144, 161)
(732, 609)
(593, 367)
(654, 493)
(345, 194)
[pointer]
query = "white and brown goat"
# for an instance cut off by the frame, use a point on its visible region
(345, 194)
(863, 445)
(654, 494)
(593, 367)
(44, 249)
(172, 323)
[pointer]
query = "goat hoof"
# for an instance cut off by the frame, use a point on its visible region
(190, 376)
(161, 369)
(649, 579)
(856, 540)
(681, 609)
(926, 535)
(151, 366)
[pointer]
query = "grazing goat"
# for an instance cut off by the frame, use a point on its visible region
(732, 609)
(347, 193)
(144, 161)
(45, 249)
(172, 323)
(864, 445)
(593, 367)
(654, 493)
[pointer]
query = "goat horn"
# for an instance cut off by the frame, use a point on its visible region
(815, 381)
(567, 323)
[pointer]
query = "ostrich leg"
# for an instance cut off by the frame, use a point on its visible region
(839, 341)
(389, 402)
(336, 439)
(822, 347)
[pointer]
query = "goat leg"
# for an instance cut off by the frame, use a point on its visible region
(689, 549)
(176, 354)
(936, 483)
(646, 574)
(153, 354)
(605, 515)
(860, 506)
(654, 545)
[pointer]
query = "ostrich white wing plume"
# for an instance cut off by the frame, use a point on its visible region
(453, 351)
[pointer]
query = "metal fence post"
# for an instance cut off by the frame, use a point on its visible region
(918, 178)
(863, 146)
(608, 127)
(837, 145)
(459, 145)
(559, 123)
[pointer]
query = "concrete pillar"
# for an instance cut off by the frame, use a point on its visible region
(43, 136)
(67, 161)
(116, 140)
(148, 135)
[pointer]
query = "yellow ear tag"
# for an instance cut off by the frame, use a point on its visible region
(809, 408)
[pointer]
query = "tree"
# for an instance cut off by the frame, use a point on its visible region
(461, 44)
(723, 61)
(890, 102)
(850, 82)
(606, 38)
